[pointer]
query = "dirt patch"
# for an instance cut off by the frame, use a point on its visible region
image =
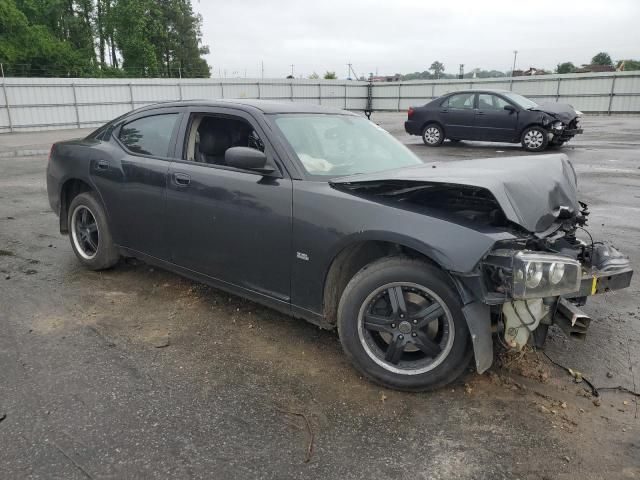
(527, 363)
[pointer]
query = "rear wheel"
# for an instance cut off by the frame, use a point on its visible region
(432, 135)
(535, 139)
(401, 324)
(89, 233)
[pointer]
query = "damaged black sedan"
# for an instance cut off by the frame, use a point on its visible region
(324, 216)
(493, 116)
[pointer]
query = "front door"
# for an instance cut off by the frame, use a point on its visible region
(229, 224)
(494, 123)
(458, 116)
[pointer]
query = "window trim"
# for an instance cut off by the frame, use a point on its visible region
(115, 133)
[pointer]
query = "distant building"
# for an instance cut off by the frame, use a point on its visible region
(532, 71)
(387, 78)
(595, 69)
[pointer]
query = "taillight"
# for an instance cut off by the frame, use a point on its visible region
(410, 113)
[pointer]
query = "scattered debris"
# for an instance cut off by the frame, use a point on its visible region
(2, 416)
(383, 397)
(597, 402)
(309, 430)
(525, 363)
(609, 375)
(543, 409)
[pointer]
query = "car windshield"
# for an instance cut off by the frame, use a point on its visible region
(521, 101)
(336, 145)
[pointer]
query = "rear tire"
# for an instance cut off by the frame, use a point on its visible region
(432, 135)
(89, 233)
(535, 139)
(401, 324)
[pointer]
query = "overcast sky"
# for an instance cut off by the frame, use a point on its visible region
(408, 35)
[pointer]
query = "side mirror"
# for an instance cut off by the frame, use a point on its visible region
(246, 158)
(510, 108)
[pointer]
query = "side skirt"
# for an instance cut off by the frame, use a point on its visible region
(281, 306)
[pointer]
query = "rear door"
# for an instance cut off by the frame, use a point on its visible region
(230, 224)
(493, 122)
(458, 116)
(132, 179)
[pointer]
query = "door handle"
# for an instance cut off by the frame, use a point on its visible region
(479, 113)
(103, 165)
(181, 179)
(444, 111)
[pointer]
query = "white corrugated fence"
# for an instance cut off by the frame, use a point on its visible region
(30, 104)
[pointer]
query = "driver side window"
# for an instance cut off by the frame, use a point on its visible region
(210, 136)
(488, 101)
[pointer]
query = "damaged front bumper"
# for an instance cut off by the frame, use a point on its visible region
(521, 317)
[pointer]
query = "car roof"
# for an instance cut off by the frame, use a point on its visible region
(264, 106)
(478, 90)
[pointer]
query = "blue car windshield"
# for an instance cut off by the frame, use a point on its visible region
(337, 145)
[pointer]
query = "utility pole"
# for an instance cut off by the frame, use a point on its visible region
(515, 55)
(351, 71)
(461, 74)
(262, 69)
(291, 69)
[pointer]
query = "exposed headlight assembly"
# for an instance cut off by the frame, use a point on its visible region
(539, 275)
(557, 126)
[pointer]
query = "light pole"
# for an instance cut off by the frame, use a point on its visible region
(515, 54)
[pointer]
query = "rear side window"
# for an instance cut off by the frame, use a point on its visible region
(460, 100)
(149, 135)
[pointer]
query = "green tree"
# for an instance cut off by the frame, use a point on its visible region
(330, 76)
(437, 68)
(602, 58)
(314, 76)
(34, 50)
(630, 65)
(566, 67)
(89, 37)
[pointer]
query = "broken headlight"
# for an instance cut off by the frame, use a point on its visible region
(539, 275)
(557, 126)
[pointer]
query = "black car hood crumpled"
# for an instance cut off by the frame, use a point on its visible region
(562, 111)
(529, 189)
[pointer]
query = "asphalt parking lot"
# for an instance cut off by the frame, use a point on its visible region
(138, 373)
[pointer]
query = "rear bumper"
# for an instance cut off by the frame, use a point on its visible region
(53, 191)
(412, 127)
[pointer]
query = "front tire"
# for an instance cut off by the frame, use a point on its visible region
(401, 324)
(535, 139)
(89, 233)
(432, 135)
